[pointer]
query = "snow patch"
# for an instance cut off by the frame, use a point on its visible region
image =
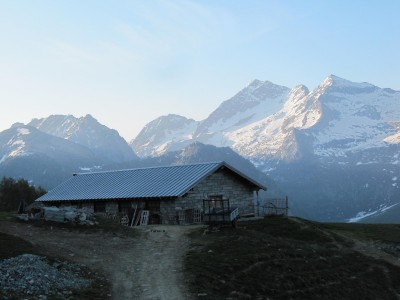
(3, 159)
(393, 139)
(23, 131)
(86, 169)
(362, 214)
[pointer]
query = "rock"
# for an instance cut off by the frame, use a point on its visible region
(29, 274)
(23, 217)
(82, 217)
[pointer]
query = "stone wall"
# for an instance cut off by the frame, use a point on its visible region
(168, 211)
(112, 208)
(225, 183)
(88, 206)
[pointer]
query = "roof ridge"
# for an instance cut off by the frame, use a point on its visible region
(153, 167)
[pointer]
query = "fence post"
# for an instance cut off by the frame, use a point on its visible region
(287, 206)
(258, 205)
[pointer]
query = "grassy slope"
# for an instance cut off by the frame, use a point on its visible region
(280, 258)
(387, 233)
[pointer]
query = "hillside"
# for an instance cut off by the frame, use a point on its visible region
(280, 258)
(273, 258)
(40, 158)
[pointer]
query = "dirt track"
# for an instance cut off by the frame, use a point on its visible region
(148, 266)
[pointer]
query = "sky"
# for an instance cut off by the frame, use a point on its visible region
(129, 62)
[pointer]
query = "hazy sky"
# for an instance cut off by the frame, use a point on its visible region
(128, 62)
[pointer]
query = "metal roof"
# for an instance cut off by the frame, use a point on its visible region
(156, 182)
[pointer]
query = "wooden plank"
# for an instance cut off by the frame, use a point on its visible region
(134, 215)
(181, 217)
(196, 216)
(139, 214)
(144, 219)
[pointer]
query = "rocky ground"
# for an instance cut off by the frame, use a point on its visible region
(35, 276)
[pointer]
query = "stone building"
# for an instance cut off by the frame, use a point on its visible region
(161, 190)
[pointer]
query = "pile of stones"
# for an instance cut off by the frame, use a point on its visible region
(31, 276)
(83, 216)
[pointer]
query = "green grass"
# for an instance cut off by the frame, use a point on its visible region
(280, 258)
(387, 233)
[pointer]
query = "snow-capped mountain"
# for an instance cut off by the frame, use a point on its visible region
(255, 102)
(26, 152)
(334, 149)
(166, 133)
(87, 131)
(269, 121)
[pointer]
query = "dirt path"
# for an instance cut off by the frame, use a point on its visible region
(149, 266)
(376, 251)
(159, 271)
(372, 249)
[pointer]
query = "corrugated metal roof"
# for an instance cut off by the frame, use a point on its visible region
(156, 182)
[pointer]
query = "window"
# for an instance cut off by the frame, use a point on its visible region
(216, 201)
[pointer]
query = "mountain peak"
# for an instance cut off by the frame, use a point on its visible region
(255, 83)
(89, 117)
(169, 120)
(341, 83)
(17, 125)
(335, 80)
(88, 132)
(265, 85)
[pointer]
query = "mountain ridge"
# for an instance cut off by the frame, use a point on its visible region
(87, 131)
(241, 123)
(339, 128)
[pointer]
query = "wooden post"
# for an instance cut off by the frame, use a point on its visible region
(258, 205)
(287, 206)
(223, 211)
